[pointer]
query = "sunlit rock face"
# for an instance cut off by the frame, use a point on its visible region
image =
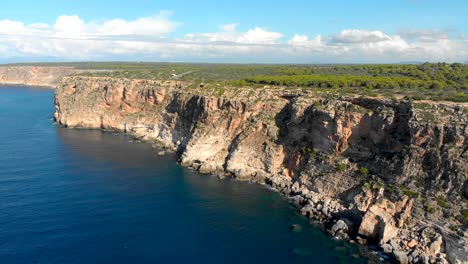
(36, 76)
(391, 173)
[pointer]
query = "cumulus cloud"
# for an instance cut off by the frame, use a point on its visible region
(359, 36)
(302, 44)
(304, 41)
(152, 38)
(230, 34)
(72, 38)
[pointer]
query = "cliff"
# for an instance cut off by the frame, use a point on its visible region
(386, 173)
(32, 75)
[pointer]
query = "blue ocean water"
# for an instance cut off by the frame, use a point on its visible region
(83, 196)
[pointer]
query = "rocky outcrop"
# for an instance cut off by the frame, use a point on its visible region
(33, 75)
(388, 173)
(383, 219)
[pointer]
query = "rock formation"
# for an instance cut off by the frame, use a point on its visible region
(388, 173)
(32, 75)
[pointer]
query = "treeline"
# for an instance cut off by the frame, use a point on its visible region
(453, 75)
(447, 75)
(345, 81)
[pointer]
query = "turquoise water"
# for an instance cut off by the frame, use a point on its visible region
(82, 196)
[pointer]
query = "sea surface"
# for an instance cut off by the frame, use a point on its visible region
(84, 196)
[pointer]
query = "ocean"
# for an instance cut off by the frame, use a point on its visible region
(86, 196)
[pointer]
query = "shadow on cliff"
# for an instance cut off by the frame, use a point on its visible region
(185, 121)
(291, 144)
(376, 142)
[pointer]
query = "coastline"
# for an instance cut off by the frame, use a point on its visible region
(372, 253)
(197, 125)
(80, 190)
(34, 76)
(19, 85)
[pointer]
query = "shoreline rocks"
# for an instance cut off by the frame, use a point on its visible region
(369, 170)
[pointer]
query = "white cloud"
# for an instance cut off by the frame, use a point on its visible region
(69, 26)
(302, 43)
(425, 35)
(259, 35)
(359, 36)
(71, 38)
(151, 38)
(229, 34)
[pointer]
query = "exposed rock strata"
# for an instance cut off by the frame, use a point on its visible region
(393, 174)
(32, 75)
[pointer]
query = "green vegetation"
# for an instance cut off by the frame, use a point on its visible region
(363, 171)
(464, 215)
(427, 81)
(311, 151)
(392, 189)
(341, 167)
(341, 81)
(429, 117)
(428, 208)
(442, 202)
(366, 186)
(422, 106)
(410, 193)
(378, 185)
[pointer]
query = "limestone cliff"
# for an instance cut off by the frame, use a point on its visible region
(32, 75)
(389, 173)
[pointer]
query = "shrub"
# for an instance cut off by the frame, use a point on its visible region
(464, 215)
(392, 189)
(363, 171)
(311, 151)
(442, 202)
(366, 186)
(410, 193)
(428, 208)
(341, 167)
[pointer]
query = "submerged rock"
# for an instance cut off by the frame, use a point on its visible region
(296, 228)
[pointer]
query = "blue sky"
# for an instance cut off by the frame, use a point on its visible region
(380, 31)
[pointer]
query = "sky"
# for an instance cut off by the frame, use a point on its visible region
(242, 31)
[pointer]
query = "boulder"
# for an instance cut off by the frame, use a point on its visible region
(342, 229)
(412, 243)
(436, 245)
(387, 248)
(296, 188)
(382, 220)
(297, 199)
(401, 257)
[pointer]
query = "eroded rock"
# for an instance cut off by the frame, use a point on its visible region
(367, 161)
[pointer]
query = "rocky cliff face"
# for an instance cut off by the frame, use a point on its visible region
(389, 173)
(31, 75)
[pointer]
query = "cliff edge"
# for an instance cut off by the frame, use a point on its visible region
(32, 75)
(374, 171)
